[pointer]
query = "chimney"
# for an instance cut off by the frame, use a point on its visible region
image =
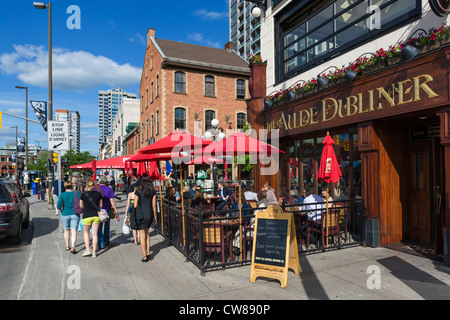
(151, 33)
(229, 46)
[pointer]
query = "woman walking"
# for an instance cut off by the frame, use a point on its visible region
(131, 215)
(91, 201)
(70, 220)
(145, 205)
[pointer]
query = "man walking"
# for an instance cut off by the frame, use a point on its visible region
(109, 204)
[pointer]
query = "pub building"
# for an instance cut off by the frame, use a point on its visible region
(390, 123)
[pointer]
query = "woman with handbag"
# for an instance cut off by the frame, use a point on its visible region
(131, 215)
(145, 205)
(66, 204)
(91, 201)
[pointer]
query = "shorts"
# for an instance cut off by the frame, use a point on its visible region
(91, 221)
(70, 222)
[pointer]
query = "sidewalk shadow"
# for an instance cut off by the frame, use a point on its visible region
(421, 282)
(44, 226)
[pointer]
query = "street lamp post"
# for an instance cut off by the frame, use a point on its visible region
(26, 130)
(40, 5)
(215, 133)
(17, 154)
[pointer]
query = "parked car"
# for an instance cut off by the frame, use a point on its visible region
(14, 212)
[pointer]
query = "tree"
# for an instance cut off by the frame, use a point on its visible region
(72, 159)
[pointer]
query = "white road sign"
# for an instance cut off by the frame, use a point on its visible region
(58, 136)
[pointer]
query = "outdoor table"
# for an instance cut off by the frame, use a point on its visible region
(212, 201)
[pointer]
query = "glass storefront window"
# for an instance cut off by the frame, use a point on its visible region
(294, 170)
(308, 163)
(303, 170)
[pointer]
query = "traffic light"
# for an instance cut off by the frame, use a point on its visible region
(55, 157)
(1, 120)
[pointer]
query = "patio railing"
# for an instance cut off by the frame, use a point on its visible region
(211, 240)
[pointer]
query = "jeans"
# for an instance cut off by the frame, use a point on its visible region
(103, 232)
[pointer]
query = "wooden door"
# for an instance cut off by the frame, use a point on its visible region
(421, 192)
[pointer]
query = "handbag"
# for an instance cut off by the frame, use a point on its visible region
(126, 228)
(102, 213)
(76, 205)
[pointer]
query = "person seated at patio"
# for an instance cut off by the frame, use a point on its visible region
(286, 198)
(199, 200)
(313, 206)
(170, 194)
(250, 195)
(270, 194)
(246, 212)
(192, 190)
(224, 194)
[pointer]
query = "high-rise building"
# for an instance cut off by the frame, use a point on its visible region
(108, 105)
(245, 29)
(73, 117)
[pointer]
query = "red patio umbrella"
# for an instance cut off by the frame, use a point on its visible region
(239, 144)
(153, 171)
(177, 141)
(205, 160)
(329, 168)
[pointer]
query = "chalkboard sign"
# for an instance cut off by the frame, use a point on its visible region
(275, 248)
(271, 241)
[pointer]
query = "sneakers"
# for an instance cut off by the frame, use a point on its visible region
(87, 254)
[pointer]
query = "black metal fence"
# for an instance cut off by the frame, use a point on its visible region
(211, 240)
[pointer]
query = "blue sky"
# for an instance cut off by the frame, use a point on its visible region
(107, 51)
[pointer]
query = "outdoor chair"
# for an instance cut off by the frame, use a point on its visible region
(247, 239)
(215, 239)
(329, 221)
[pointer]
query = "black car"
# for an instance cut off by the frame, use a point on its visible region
(14, 212)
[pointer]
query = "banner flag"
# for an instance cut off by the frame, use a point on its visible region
(40, 109)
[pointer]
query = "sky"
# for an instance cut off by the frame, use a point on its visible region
(107, 51)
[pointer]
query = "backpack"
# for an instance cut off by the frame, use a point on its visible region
(76, 205)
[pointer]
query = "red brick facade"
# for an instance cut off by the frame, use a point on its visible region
(159, 99)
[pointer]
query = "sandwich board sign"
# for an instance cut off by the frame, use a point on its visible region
(58, 136)
(275, 248)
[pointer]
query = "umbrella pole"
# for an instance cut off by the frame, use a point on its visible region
(240, 213)
(161, 203)
(182, 203)
(326, 218)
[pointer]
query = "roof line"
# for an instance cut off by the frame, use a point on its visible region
(158, 48)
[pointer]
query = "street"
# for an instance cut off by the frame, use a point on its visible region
(40, 269)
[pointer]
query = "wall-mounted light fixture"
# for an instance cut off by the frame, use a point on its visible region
(268, 103)
(291, 95)
(259, 8)
(322, 81)
(409, 52)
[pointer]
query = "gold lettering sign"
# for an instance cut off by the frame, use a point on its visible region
(401, 93)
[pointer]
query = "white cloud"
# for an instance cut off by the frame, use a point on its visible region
(138, 38)
(89, 125)
(16, 111)
(211, 15)
(72, 70)
(200, 39)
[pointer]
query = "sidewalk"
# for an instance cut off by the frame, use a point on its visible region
(118, 273)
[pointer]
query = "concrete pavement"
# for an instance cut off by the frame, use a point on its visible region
(118, 273)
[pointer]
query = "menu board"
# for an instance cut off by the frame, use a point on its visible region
(275, 248)
(271, 240)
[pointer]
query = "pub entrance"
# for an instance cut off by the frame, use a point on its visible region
(426, 187)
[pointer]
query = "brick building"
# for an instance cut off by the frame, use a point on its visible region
(185, 86)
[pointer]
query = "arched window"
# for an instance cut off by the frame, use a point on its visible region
(209, 117)
(209, 86)
(180, 119)
(180, 82)
(241, 120)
